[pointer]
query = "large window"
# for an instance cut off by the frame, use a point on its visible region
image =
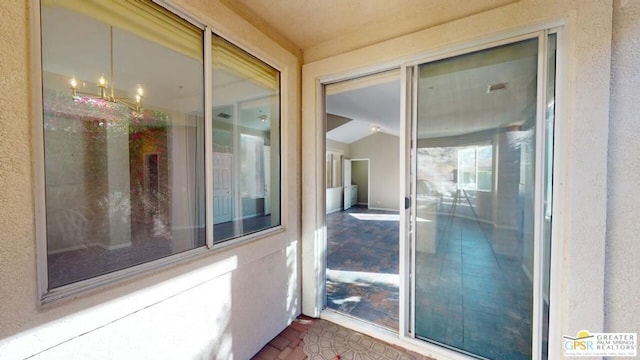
(124, 137)
(475, 168)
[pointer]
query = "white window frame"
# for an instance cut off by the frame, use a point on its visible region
(48, 296)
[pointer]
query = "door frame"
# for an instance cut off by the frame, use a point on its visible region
(346, 188)
(317, 74)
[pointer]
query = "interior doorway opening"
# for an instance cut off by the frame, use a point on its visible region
(360, 179)
(362, 208)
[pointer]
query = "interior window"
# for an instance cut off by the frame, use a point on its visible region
(123, 136)
(475, 168)
(246, 142)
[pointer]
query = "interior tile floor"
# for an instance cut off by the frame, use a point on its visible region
(362, 265)
(469, 295)
(149, 242)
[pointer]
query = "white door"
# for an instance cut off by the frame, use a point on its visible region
(222, 187)
(346, 184)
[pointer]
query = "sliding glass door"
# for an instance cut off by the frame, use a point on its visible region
(481, 171)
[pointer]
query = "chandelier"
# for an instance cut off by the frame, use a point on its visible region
(106, 92)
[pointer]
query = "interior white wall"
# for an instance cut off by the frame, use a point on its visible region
(224, 304)
(334, 199)
(580, 191)
(622, 288)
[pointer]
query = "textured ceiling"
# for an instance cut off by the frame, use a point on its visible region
(324, 27)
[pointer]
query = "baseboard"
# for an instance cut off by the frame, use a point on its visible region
(67, 249)
(114, 247)
(85, 246)
(382, 209)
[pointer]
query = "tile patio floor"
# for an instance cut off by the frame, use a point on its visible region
(289, 344)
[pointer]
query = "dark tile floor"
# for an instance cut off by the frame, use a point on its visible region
(362, 264)
(468, 297)
(148, 242)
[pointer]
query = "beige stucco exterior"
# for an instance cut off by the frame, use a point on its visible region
(622, 267)
(230, 303)
(205, 307)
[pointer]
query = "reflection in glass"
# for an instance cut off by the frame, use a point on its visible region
(246, 142)
(123, 137)
(474, 247)
(550, 115)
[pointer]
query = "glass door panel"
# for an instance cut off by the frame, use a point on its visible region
(474, 181)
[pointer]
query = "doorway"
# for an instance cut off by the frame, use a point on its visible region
(362, 207)
(360, 180)
(475, 177)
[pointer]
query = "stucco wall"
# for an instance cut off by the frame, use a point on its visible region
(17, 245)
(226, 304)
(622, 288)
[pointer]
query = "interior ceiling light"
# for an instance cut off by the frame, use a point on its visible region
(262, 117)
(103, 86)
(496, 87)
(375, 128)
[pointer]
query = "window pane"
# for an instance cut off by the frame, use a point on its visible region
(124, 136)
(246, 142)
(467, 168)
(474, 255)
(485, 165)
